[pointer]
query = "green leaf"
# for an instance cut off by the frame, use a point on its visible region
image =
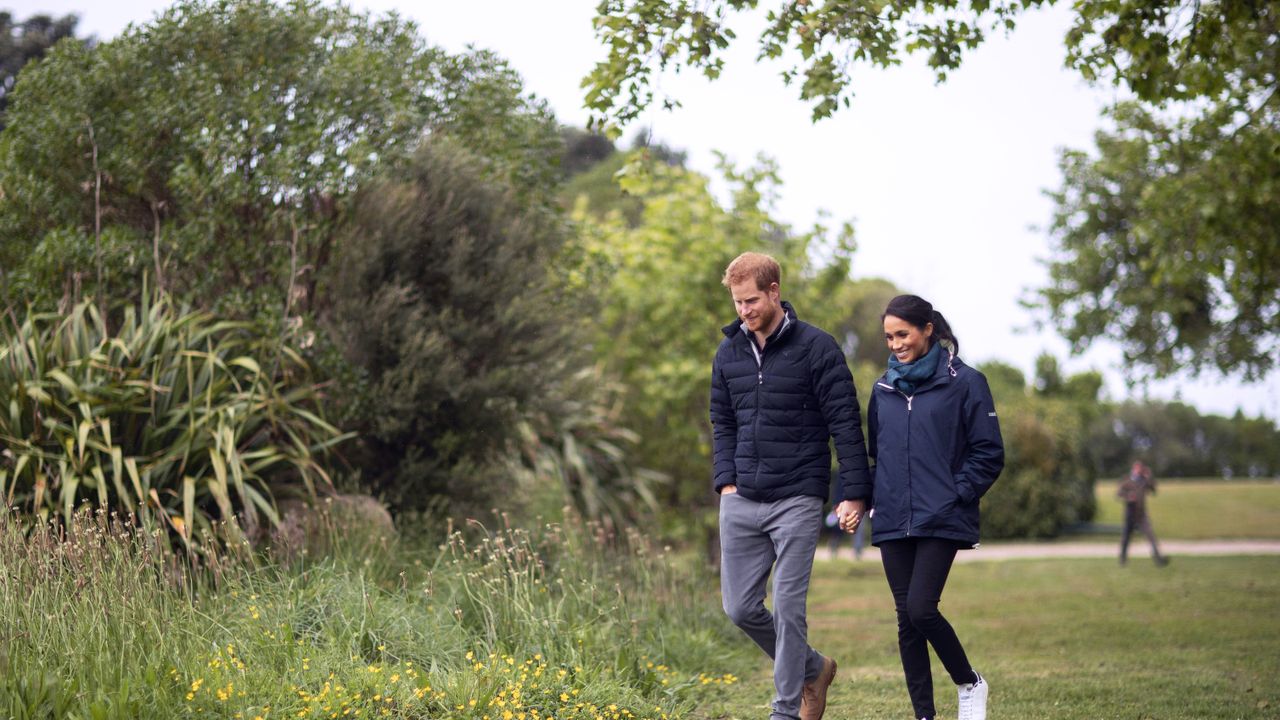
(247, 363)
(188, 504)
(70, 483)
(65, 381)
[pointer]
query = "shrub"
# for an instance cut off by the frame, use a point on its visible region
(1046, 484)
(176, 414)
(449, 312)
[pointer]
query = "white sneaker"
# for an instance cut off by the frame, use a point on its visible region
(973, 700)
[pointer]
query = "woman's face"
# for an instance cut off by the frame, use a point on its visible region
(907, 342)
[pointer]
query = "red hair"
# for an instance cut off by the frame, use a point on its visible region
(752, 266)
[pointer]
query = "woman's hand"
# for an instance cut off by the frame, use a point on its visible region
(850, 514)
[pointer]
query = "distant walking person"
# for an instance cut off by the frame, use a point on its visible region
(1133, 492)
(781, 391)
(933, 433)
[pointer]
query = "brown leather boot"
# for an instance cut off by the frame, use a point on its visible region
(813, 699)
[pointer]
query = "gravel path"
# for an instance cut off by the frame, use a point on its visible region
(1137, 550)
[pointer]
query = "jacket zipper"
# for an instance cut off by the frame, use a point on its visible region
(950, 370)
(759, 356)
(909, 398)
(910, 500)
(755, 433)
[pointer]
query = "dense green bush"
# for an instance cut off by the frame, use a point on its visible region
(176, 414)
(454, 325)
(1041, 490)
(1047, 483)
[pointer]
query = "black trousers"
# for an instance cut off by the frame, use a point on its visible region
(917, 570)
(1136, 519)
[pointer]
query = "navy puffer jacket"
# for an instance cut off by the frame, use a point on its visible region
(937, 453)
(772, 419)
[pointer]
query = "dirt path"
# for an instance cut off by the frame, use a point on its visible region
(1137, 550)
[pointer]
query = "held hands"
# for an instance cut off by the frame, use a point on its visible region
(850, 513)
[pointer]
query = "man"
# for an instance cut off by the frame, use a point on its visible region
(780, 390)
(1133, 492)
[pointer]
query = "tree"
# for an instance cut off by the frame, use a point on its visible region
(1049, 380)
(1168, 240)
(596, 184)
(831, 38)
(1177, 441)
(583, 150)
(1158, 49)
(1168, 237)
(1165, 240)
(860, 326)
(218, 147)
(20, 43)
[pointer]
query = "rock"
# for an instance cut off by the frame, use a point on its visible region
(353, 521)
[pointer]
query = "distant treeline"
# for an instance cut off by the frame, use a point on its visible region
(1174, 438)
(1177, 441)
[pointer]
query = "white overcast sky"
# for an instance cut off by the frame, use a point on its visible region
(944, 183)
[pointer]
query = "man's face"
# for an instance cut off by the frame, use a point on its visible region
(757, 308)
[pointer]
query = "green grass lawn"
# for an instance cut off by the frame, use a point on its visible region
(1204, 509)
(1063, 639)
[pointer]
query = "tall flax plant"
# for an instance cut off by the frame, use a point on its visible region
(176, 418)
(588, 455)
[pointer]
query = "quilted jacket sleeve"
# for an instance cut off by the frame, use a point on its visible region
(833, 386)
(724, 431)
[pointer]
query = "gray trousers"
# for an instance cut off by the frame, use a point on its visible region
(780, 536)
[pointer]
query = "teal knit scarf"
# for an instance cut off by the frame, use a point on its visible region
(906, 377)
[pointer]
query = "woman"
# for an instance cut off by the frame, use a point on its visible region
(932, 430)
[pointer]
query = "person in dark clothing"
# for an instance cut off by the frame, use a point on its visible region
(781, 391)
(1133, 492)
(935, 439)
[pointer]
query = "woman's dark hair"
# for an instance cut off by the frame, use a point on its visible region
(919, 312)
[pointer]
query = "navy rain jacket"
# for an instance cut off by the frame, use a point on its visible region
(772, 419)
(937, 452)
